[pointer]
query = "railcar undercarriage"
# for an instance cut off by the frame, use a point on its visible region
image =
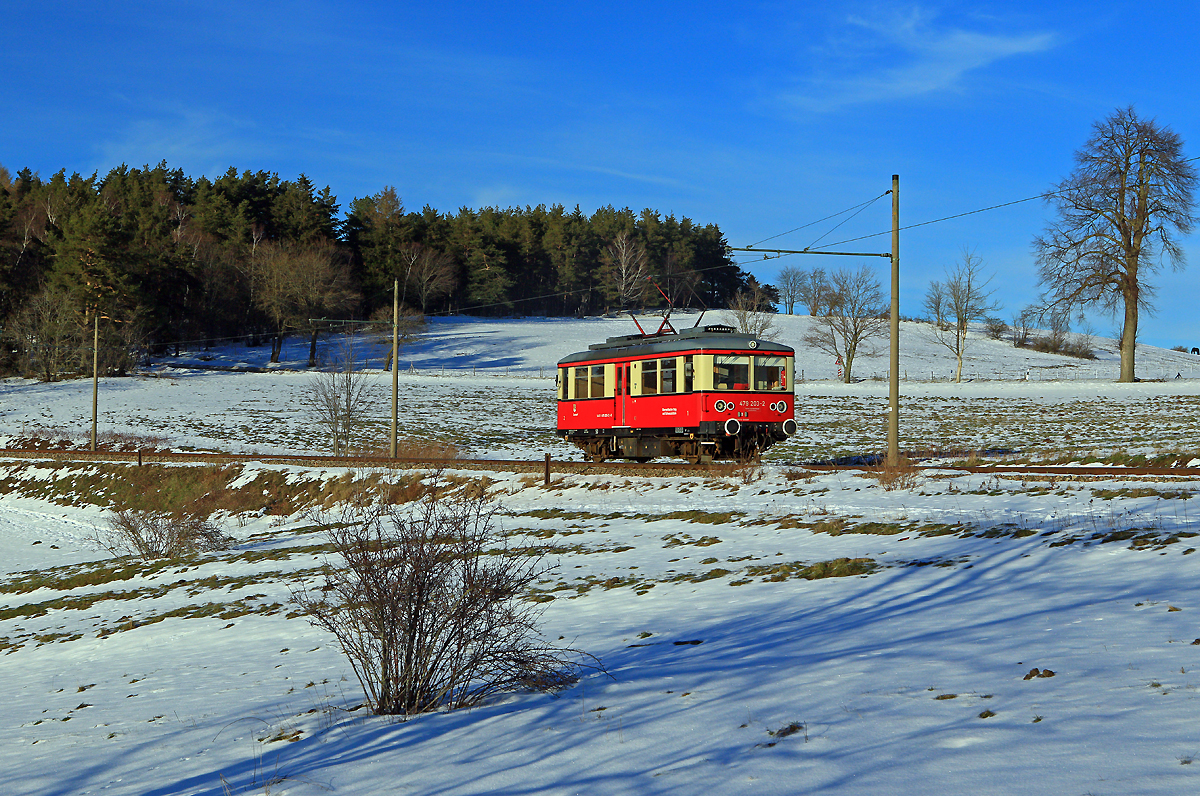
(740, 442)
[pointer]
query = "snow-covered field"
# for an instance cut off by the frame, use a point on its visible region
(189, 677)
(488, 387)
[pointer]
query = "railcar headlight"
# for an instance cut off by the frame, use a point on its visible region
(719, 406)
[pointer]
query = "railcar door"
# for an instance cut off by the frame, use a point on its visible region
(622, 392)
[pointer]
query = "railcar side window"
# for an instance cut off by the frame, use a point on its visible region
(770, 373)
(581, 383)
(597, 381)
(667, 366)
(649, 377)
(687, 373)
(731, 372)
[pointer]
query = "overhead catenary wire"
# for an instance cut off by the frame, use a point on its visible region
(859, 207)
(1043, 195)
(848, 218)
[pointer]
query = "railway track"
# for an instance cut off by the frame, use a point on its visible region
(548, 465)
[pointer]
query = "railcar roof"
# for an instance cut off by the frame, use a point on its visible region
(704, 338)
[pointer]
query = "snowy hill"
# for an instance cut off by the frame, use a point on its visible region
(532, 346)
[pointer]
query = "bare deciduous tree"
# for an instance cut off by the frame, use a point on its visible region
(958, 302)
(790, 283)
(752, 311)
(815, 291)
(47, 334)
(339, 398)
(1022, 326)
(996, 328)
(429, 273)
(430, 605)
(628, 268)
(1117, 217)
(855, 314)
(298, 283)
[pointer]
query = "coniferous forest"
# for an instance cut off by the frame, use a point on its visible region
(153, 260)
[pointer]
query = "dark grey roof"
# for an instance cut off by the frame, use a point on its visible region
(702, 338)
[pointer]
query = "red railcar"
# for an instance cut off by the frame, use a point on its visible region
(700, 394)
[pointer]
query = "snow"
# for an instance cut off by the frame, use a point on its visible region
(979, 579)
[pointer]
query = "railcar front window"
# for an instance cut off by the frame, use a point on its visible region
(649, 377)
(731, 372)
(770, 373)
(581, 383)
(667, 366)
(597, 381)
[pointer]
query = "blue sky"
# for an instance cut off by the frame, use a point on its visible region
(759, 116)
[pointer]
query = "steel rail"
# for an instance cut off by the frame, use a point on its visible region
(561, 466)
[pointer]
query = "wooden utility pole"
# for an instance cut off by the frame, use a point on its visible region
(893, 438)
(395, 358)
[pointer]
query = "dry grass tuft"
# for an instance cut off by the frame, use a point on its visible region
(44, 438)
(904, 475)
(796, 474)
(426, 450)
(748, 473)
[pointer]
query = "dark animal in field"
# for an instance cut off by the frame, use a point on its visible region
(1196, 351)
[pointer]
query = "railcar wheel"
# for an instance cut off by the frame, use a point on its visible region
(596, 452)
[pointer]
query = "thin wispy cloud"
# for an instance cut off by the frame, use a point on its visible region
(651, 179)
(889, 57)
(198, 140)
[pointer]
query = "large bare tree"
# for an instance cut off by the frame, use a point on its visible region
(790, 283)
(854, 314)
(814, 291)
(1118, 214)
(47, 334)
(429, 273)
(628, 268)
(958, 302)
(298, 283)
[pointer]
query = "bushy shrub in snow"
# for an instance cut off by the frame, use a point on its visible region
(158, 534)
(430, 604)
